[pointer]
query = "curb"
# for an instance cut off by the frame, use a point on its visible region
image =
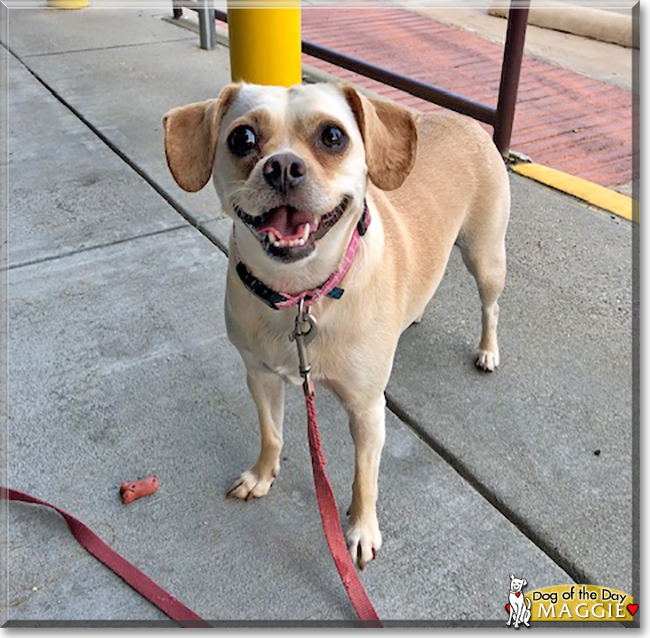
(600, 196)
(588, 22)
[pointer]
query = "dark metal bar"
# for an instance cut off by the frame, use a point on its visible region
(420, 89)
(510, 71)
(177, 12)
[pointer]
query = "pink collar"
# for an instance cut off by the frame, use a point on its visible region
(330, 288)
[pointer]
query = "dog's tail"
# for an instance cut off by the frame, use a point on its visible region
(527, 602)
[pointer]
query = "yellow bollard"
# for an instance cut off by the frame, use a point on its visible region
(67, 4)
(265, 42)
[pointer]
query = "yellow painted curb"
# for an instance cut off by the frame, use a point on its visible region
(595, 194)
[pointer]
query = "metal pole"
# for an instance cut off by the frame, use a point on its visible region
(207, 28)
(510, 71)
(265, 43)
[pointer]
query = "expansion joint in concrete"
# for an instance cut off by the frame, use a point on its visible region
(177, 206)
(96, 247)
(113, 46)
(577, 574)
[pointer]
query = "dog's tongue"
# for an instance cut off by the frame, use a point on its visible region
(287, 222)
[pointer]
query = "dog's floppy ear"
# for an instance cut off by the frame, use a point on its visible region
(191, 134)
(524, 582)
(512, 576)
(390, 135)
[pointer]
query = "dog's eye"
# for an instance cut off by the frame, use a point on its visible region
(242, 140)
(333, 137)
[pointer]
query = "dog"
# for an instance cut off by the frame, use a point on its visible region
(302, 171)
(519, 604)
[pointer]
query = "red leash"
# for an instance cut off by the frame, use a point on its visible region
(172, 607)
(304, 332)
(133, 577)
(332, 523)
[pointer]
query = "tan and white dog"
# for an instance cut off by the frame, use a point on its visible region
(293, 167)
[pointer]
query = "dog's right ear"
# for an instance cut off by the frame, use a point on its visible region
(191, 134)
(512, 576)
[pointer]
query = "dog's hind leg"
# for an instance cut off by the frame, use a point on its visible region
(482, 245)
(267, 390)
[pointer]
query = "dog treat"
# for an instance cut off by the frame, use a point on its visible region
(137, 489)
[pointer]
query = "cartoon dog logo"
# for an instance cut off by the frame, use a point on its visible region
(518, 605)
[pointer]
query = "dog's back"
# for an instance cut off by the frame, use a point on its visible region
(458, 189)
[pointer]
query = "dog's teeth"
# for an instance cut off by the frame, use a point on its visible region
(276, 243)
(305, 234)
(272, 237)
(301, 242)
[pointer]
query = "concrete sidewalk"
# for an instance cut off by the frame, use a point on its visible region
(119, 367)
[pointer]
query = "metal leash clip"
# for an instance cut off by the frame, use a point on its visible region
(303, 334)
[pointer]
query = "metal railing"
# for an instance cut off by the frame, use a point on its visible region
(500, 118)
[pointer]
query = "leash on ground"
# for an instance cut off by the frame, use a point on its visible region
(171, 606)
(133, 577)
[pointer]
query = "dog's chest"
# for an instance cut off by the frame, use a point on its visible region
(266, 338)
(279, 353)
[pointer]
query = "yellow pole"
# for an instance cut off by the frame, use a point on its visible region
(67, 4)
(265, 42)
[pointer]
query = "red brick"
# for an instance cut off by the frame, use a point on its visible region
(552, 101)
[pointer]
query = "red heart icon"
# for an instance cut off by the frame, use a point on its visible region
(632, 608)
(508, 607)
(518, 594)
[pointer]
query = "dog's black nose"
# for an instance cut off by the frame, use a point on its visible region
(284, 171)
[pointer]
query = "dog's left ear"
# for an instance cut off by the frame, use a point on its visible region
(390, 136)
(524, 583)
(191, 134)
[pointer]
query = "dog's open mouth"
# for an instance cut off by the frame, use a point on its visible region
(290, 234)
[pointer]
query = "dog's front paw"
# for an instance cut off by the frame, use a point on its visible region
(364, 541)
(487, 360)
(253, 483)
